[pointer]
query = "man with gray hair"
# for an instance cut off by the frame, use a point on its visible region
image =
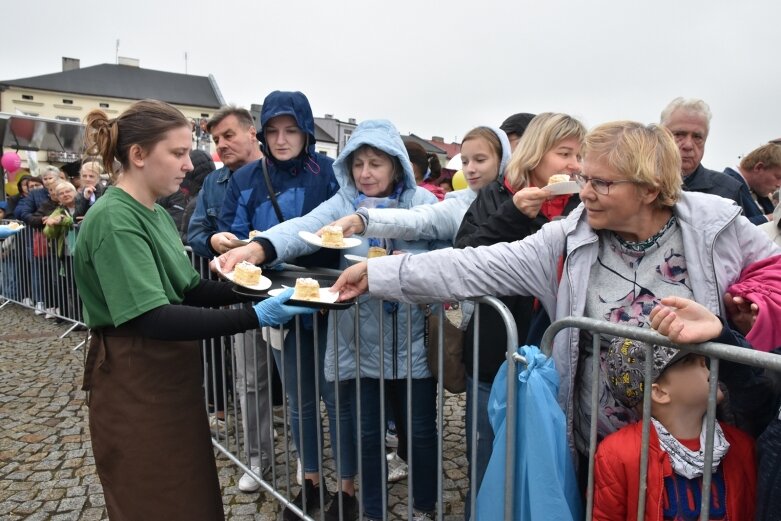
(689, 122)
(233, 131)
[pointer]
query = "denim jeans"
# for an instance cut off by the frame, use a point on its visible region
(309, 403)
(252, 387)
(424, 441)
(485, 438)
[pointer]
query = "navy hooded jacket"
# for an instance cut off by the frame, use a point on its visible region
(300, 184)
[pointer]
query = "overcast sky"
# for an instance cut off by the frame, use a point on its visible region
(440, 68)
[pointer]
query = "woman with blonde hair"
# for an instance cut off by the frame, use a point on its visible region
(635, 239)
(515, 205)
(90, 175)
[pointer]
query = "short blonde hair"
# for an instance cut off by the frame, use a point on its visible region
(93, 165)
(64, 184)
(769, 155)
(645, 154)
(542, 134)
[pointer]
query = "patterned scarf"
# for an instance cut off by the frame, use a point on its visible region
(688, 463)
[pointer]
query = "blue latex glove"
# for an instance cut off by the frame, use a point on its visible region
(273, 311)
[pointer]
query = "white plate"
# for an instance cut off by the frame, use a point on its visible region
(7, 228)
(262, 285)
(354, 258)
(325, 295)
(567, 187)
(311, 238)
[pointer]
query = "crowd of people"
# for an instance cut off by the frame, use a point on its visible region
(651, 238)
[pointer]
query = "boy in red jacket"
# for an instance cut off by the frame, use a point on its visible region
(679, 398)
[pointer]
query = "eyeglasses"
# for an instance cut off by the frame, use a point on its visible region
(600, 186)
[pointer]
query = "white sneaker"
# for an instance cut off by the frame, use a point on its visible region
(249, 484)
(397, 468)
(391, 440)
(39, 310)
(27, 301)
(219, 426)
(299, 471)
(51, 313)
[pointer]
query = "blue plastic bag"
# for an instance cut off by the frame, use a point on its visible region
(545, 486)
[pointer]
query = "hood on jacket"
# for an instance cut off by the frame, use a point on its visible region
(295, 104)
(506, 151)
(382, 135)
(777, 216)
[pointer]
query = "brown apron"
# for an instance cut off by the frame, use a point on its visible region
(149, 428)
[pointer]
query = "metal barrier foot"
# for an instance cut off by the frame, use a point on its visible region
(74, 326)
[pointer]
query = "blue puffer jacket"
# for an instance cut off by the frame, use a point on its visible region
(29, 205)
(300, 184)
(383, 135)
(203, 223)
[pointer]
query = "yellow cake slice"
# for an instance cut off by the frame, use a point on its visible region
(246, 274)
(306, 289)
(333, 236)
(558, 178)
(376, 251)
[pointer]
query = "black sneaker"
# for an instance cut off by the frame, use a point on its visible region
(312, 500)
(349, 508)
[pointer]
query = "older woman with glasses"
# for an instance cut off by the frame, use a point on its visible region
(635, 239)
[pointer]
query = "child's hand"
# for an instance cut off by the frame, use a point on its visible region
(741, 312)
(684, 321)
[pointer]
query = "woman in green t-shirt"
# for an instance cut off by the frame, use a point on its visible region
(147, 306)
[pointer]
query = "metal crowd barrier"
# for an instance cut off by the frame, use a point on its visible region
(231, 439)
(32, 273)
(711, 350)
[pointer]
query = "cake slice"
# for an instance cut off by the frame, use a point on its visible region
(376, 251)
(306, 289)
(246, 274)
(558, 178)
(333, 236)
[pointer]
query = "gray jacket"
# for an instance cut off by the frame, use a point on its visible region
(773, 228)
(719, 244)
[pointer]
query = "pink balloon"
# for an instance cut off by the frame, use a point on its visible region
(11, 162)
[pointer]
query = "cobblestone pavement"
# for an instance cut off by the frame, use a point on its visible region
(47, 471)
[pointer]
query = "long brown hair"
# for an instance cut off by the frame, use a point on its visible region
(144, 123)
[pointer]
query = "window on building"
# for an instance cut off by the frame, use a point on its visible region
(68, 101)
(32, 114)
(27, 96)
(204, 115)
(68, 118)
(104, 105)
(347, 135)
